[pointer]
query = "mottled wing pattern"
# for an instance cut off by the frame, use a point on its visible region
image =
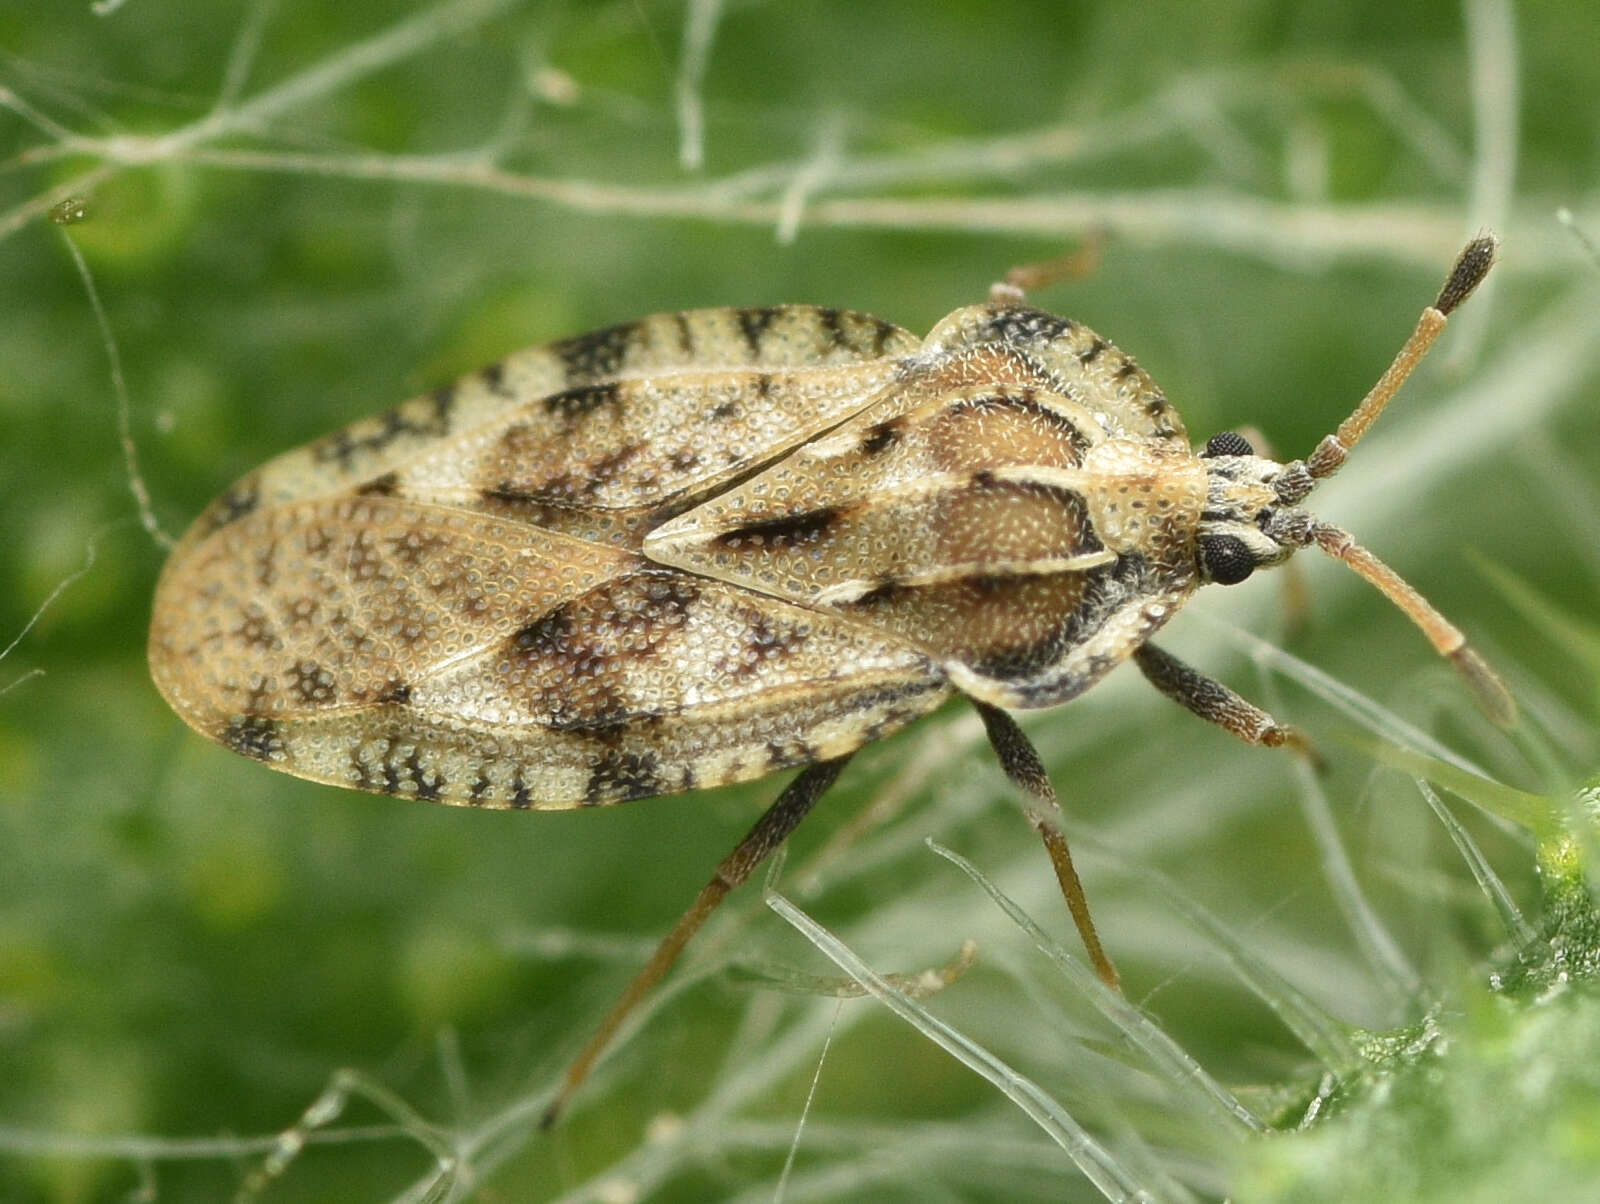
(448, 600)
(417, 650)
(600, 434)
(978, 513)
(442, 601)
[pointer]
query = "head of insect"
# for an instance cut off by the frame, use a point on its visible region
(1253, 516)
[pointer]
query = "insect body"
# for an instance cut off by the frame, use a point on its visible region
(702, 547)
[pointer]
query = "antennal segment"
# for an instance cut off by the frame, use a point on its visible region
(1445, 636)
(1471, 267)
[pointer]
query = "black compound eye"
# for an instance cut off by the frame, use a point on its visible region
(1227, 559)
(1228, 443)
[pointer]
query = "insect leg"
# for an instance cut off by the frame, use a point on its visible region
(798, 797)
(1216, 703)
(1030, 277)
(1022, 765)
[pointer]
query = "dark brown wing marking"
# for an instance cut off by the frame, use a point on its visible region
(904, 492)
(795, 355)
(975, 514)
(456, 657)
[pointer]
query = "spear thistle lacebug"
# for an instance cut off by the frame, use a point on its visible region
(701, 547)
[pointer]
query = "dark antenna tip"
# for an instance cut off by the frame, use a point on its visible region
(1471, 267)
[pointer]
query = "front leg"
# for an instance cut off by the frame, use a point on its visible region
(1216, 703)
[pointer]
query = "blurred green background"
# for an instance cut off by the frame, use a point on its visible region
(299, 213)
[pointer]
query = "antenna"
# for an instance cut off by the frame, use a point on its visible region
(1445, 636)
(1470, 269)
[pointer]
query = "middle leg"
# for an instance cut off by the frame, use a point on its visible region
(1022, 765)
